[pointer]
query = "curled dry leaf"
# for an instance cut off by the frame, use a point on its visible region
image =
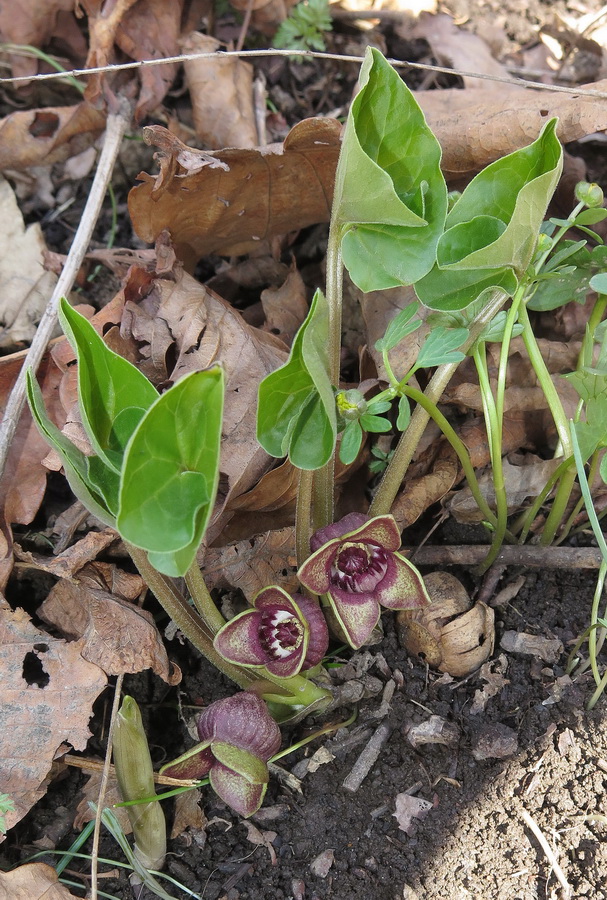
(41, 137)
(263, 192)
(420, 493)
(74, 558)
(36, 22)
(23, 483)
(116, 635)
(141, 31)
(547, 649)
(33, 881)
(435, 730)
(285, 307)
(221, 91)
(451, 634)
(40, 708)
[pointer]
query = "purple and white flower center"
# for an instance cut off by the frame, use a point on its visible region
(280, 633)
(358, 568)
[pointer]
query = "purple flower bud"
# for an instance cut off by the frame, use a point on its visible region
(238, 736)
(283, 633)
(355, 563)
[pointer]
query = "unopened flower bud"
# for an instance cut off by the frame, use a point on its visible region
(589, 193)
(351, 404)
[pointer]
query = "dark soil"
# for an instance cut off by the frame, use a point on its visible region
(472, 843)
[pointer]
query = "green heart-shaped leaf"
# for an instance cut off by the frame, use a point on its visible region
(112, 393)
(94, 483)
(390, 198)
(296, 407)
(170, 472)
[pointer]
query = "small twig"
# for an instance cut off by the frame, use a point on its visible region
(103, 788)
(117, 124)
(532, 556)
(367, 758)
(581, 91)
(259, 107)
(549, 852)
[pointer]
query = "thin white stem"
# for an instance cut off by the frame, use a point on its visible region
(117, 124)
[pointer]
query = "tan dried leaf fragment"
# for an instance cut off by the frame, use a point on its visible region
(40, 708)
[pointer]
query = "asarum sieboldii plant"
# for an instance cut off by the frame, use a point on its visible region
(238, 736)
(355, 564)
(283, 633)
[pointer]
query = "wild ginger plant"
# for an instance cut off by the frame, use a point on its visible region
(154, 466)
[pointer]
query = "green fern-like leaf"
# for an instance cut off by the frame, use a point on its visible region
(304, 28)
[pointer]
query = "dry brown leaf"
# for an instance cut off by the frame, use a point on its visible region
(36, 22)
(520, 482)
(455, 47)
(275, 490)
(116, 635)
(263, 193)
(23, 483)
(285, 307)
(409, 808)
(221, 91)
(90, 794)
(33, 881)
(188, 813)
(74, 558)
(40, 707)
(253, 564)
(26, 284)
(41, 137)
(420, 493)
(266, 14)
(502, 119)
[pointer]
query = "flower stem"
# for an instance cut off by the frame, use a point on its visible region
(546, 383)
(302, 516)
(407, 445)
(297, 689)
(324, 479)
(203, 600)
(186, 618)
(494, 437)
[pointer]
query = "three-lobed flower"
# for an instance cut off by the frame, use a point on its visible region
(238, 736)
(283, 633)
(355, 564)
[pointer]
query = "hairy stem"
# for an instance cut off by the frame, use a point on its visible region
(202, 599)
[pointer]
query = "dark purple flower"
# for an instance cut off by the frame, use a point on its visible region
(355, 564)
(283, 633)
(238, 737)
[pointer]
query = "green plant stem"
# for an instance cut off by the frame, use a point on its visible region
(203, 601)
(494, 436)
(324, 479)
(594, 464)
(594, 320)
(559, 507)
(525, 521)
(302, 515)
(459, 447)
(407, 445)
(546, 383)
(300, 689)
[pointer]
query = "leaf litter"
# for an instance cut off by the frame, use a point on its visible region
(169, 323)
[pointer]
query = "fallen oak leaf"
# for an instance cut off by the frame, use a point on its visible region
(42, 137)
(40, 709)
